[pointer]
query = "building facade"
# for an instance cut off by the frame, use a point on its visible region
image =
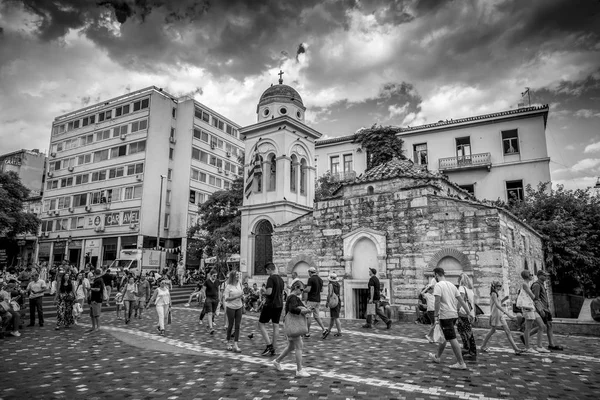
(114, 165)
(493, 156)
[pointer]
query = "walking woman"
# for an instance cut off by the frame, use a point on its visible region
(465, 288)
(497, 320)
(82, 287)
(294, 305)
(232, 297)
(162, 299)
(334, 312)
(129, 291)
(64, 300)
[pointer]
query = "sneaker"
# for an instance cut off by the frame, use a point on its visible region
(307, 335)
(337, 334)
(16, 333)
(530, 350)
(556, 348)
(162, 332)
(277, 365)
(429, 339)
(458, 366)
(186, 305)
(434, 358)
(389, 324)
(272, 353)
(367, 326)
(325, 333)
(542, 350)
(199, 322)
(212, 331)
(302, 373)
(267, 350)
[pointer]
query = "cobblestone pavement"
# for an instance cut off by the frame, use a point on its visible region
(132, 361)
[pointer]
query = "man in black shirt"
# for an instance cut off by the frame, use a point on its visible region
(271, 311)
(374, 298)
(212, 292)
(314, 286)
(108, 279)
(96, 293)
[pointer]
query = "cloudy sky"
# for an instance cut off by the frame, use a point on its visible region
(355, 63)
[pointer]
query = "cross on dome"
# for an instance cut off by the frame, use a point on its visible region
(280, 77)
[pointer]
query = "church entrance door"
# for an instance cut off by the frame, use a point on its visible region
(263, 247)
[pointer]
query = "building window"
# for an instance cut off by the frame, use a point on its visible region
(139, 125)
(272, 172)
(335, 165)
(463, 148)
(347, 162)
(174, 112)
(468, 188)
(171, 153)
(514, 191)
(510, 141)
(101, 155)
(141, 104)
(167, 221)
(293, 173)
(173, 132)
(420, 154)
(168, 200)
(137, 147)
(169, 174)
(303, 170)
(193, 196)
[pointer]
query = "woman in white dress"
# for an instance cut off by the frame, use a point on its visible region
(161, 298)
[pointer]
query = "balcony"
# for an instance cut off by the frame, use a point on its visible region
(343, 176)
(474, 161)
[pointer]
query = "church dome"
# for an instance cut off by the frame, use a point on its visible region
(280, 93)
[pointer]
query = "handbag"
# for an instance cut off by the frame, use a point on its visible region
(371, 309)
(524, 301)
(294, 325)
(169, 317)
(334, 300)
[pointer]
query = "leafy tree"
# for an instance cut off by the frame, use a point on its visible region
(570, 224)
(218, 231)
(381, 144)
(325, 186)
(13, 219)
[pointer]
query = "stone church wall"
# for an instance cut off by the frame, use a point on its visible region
(421, 229)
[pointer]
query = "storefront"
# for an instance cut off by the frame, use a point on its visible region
(44, 252)
(75, 252)
(58, 251)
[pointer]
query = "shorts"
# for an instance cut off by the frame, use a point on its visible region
(447, 326)
(546, 317)
(529, 315)
(313, 306)
(431, 316)
(335, 312)
(211, 305)
(141, 300)
(270, 313)
(95, 309)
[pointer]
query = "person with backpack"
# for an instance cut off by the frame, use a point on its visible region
(543, 308)
(465, 288)
(334, 304)
(313, 290)
(96, 294)
(525, 303)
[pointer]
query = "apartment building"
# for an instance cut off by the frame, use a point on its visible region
(108, 163)
(494, 156)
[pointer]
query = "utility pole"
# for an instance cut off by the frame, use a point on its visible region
(162, 177)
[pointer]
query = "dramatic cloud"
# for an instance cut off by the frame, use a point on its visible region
(592, 148)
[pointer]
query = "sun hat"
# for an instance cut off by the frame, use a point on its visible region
(312, 269)
(333, 277)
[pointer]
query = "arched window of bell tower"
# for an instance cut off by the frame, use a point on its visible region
(293, 173)
(272, 172)
(303, 167)
(258, 173)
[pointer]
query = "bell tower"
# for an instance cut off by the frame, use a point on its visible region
(279, 175)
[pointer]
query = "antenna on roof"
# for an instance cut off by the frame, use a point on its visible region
(526, 92)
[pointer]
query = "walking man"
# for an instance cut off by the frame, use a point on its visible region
(96, 293)
(374, 298)
(181, 273)
(36, 289)
(143, 294)
(271, 311)
(543, 308)
(314, 286)
(212, 293)
(446, 295)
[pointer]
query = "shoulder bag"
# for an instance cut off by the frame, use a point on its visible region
(334, 300)
(294, 325)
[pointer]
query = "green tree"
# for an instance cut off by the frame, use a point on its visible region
(569, 221)
(325, 186)
(218, 231)
(13, 219)
(381, 144)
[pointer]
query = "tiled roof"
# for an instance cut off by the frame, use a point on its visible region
(393, 169)
(441, 124)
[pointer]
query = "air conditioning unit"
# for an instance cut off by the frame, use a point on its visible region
(226, 172)
(139, 177)
(56, 212)
(172, 140)
(46, 234)
(71, 209)
(52, 155)
(133, 226)
(50, 174)
(50, 212)
(107, 206)
(219, 170)
(88, 208)
(71, 169)
(123, 136)
(99, 229)
(228, 154)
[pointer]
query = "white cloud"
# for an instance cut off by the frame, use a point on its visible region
(587, 164)
(592, 148)
(586, 113)
(397, 110)
(575, 183)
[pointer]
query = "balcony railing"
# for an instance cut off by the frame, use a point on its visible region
(482, 160)
(343, 176)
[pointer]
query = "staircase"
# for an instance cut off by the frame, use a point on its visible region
(179, 295)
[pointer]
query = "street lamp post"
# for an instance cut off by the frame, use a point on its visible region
(162, 177)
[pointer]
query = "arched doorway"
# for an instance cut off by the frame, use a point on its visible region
(364, 257)
(302, 270)
(263, 247)
(452, 267)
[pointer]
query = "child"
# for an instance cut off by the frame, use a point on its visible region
(294, 305)
(428, 295)
(497, 320)
(119, 300)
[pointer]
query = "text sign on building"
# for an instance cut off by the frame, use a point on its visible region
(112, 219)
(131, 217)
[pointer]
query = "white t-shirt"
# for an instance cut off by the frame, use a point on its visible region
(430, 301)
(470, 296)
(448, 293)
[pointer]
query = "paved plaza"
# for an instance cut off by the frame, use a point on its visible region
(133, 362)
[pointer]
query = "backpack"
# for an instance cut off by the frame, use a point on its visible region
(334, 300)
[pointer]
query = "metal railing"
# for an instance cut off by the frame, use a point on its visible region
(472, 161)
(343, 176)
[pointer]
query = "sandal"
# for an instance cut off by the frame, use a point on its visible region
(337, 334)
(325, 333)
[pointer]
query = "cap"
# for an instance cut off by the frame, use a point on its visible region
(333, 277)
(373, 271)
(312, 269)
